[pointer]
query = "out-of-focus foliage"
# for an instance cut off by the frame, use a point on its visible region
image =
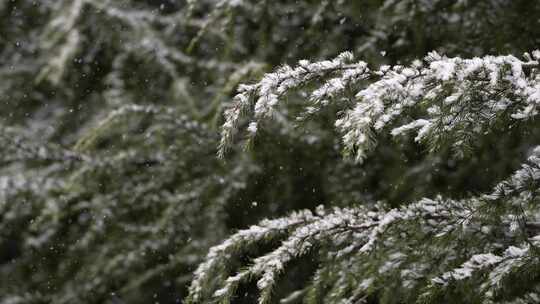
(126, 201)
(110, 187)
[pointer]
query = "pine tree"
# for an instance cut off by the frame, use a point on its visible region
(388, 178)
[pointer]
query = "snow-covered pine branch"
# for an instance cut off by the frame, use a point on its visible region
(362, 251)
(261, 99)
(454, 100)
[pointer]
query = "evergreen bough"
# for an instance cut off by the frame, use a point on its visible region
(479, 249)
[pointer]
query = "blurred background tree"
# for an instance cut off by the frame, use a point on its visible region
(110, 188)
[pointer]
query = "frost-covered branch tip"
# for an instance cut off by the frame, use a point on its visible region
(260, 100)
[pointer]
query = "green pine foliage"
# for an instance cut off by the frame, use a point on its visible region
(425, 251)
(240, 151)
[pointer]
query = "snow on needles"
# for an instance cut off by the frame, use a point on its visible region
(457, 97)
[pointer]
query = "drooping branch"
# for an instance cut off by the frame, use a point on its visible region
(457, 98)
